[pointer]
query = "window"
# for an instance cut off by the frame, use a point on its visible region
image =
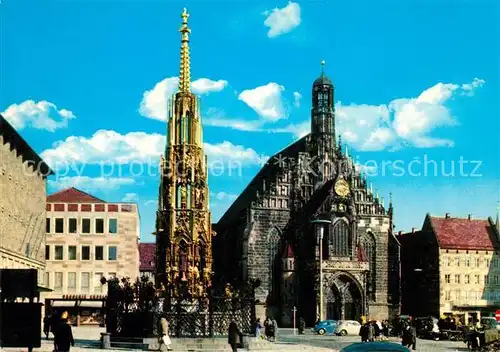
(457, 261)
(457, 278)
(495, 262)
(59, 225)
(85, 252)
(448, 261)
(467, 279)
(59, 253)
(273, 245)
(85, 282)
(71, 252)
(467, 261)
(478, 262)
(72, 225)
(111, 275)
(99, 253)
(487, 262)
(476, 279)
(486, 279)
(113, 226)
(447, 295)
(47, 252)
(495, 278)
(85, 225)
(367, 244)
(47, 279)
(47, 225)
(99, 225)
(447, 278)
(97, 282)
(112, 255)
(71, 282)
(340, 239)
(58, 281)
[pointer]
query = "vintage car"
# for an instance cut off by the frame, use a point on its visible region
(348, 327)
(325, 327)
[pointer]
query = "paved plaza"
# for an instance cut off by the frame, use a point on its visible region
(87, 340)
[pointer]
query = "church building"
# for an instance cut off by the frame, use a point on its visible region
(309, 206)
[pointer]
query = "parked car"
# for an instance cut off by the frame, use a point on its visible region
(348, 327)
(325, 327)
(427, 328)
(490, 323)
(375, 347)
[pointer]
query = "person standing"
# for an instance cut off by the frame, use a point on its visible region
(234, 336)
(46, 326)
(63, 337)
(268, 328)
(258, 328)
(165, 339)
(275, 329)
(302, 326)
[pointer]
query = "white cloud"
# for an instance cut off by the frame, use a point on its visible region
(130, 197)
(284, 20)
(151, 202)
(154, 101)
(401, 122)
(296, 99)
(224, 196)
(266, 101)
(106, 146)
(228, 154)
(109, 147)
(43, 115)
(90, 183)
(217, 118)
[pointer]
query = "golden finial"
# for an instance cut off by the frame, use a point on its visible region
(323, 66)
(185, 69)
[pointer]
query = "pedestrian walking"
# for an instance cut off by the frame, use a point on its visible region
(165, 339)
(46, 326)
(275, 329)
(268, 326)
(364, 332)
(63, 337)
(302, 326)
(234, 337)
(258, 328)
(371, 332)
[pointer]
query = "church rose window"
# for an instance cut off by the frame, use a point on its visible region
(340, 239)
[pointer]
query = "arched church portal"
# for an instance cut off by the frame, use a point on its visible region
(344, 300)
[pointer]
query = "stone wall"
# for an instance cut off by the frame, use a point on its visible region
(22, 212)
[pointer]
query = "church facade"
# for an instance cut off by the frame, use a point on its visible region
(269, 232)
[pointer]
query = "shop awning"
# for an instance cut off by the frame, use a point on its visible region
(44, 289)
(57, 303)
(91, 304)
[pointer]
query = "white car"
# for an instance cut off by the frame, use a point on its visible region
(348, 327)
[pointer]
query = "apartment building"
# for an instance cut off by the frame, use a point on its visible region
(88, 239)
(23, 176)
(147, 258)
(452, 267)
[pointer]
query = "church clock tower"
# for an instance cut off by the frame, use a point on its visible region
(183, 223)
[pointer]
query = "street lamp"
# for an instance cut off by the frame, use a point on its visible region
(321, 233)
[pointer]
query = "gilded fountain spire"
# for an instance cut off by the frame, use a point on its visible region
(183, 220)
(185, 69)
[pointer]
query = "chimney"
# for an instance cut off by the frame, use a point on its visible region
(470, 216)
(413, 230)
(447, 215)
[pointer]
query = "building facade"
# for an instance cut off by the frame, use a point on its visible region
(315, 178)
(147, 260)
(22, 203)
(451, 267)
(183, 227)
(88, 239)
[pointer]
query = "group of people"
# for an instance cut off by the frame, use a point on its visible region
(63, 335)
(270, 329)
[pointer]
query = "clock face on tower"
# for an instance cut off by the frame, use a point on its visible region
(342, 187)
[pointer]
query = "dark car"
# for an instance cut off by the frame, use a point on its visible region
(427, 328)
(375, 347)
(325, 327)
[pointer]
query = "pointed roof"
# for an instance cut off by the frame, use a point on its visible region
(288, 253)
(458, 233)
(72, 195)
(185, 69)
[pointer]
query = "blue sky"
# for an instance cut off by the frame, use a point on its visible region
(85, 83)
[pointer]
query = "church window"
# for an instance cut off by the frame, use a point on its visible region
(368, 245)
(188, 196)
(181, 130)
(341, 239)
(178, 197)
(189, 122)
(202, 262)
(273, 249)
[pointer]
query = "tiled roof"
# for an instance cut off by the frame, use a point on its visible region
(455, 233)
(72, 195)
(147, 256)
